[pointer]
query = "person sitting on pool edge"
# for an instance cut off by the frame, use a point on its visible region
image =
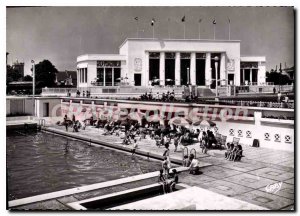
(186, 161)
(194, 166)
(162, 180)
(166, 165)
(173, 181)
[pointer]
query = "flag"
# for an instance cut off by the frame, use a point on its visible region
(136, 18)
(183, 19)
(152, 21)
(214, 22)
(228, 20)
(200, 20)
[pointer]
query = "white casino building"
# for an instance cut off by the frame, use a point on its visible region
(142, 61)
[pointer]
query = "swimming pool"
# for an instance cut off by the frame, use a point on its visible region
(40, 163)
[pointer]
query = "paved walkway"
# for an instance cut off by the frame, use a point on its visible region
(247, 180)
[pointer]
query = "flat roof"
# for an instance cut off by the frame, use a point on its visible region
(179, 40)
(105, 57)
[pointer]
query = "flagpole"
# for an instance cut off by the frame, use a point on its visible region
(184, 30)
(199, 26)
(153, 32)
(229, 30)
(137, 28)
(214, 31)
(169, 28)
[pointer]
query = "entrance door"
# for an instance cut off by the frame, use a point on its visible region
(137, 79)
(230, 79)
(46, 110)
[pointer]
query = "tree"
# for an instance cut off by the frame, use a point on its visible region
(278, 78)
(45, 74)
(27, 78)
(12, 74)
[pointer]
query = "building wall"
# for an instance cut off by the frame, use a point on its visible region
(140, 49)
(246, 129)
(19, 106)
(54, 107)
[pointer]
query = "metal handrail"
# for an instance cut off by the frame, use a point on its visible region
(194, 151)
(187, 152)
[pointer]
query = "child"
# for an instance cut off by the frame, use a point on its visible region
(176, 141)
(186, 162)
(166, 166)
(162, 180)
(173, 181)
(134, 147)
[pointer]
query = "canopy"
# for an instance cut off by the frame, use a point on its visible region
(155, 118)
(136, 115)
(180, 121)
(206, 123)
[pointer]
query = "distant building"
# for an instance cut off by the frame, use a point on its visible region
(145, 62)
(19, 66)
(20, 87)
(66, 78)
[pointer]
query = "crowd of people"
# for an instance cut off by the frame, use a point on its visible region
(165, 97)
(131, 131)
(234, 152)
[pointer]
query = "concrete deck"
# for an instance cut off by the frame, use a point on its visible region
(246, 180)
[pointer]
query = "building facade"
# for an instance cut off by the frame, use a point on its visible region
(145, 62)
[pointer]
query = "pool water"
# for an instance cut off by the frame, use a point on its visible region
(41, 163)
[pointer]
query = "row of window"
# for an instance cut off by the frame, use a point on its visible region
(172, 55)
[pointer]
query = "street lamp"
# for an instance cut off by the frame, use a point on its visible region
(216, 71)
(33, 85)
(188, 76)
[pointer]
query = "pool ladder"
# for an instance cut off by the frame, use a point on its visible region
(187, 152)
(194, 151)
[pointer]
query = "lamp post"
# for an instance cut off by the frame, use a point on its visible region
(188, 76)
(216, 72)
(33, 84)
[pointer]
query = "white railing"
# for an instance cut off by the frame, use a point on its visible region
(289, 105)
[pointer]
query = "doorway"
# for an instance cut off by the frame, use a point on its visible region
(137, 79)
(46, 110)
(230, 79)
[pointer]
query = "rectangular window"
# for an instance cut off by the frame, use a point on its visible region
(108, 76)
(86, 74)
(185, 64)
(117, 76)
(154, 67)
(170, 68)
(100, 76)
(200, 69)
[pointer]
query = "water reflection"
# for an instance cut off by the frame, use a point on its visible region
(41, 163)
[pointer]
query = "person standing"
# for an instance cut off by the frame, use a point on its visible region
(279, 97)
(73, 119)
(194, 166)
(176, 141)
(134, 147)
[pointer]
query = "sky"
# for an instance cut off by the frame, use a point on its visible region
(60, 34)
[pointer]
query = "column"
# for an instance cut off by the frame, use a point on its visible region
(113, 77)
(207, 69)
(177, 68)
(84, 75)
(222, 69)
(162, 68)
(243, 80)
(193, 69)
(250, 76)
(77, 77)
(146, 69)
(104, 76)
